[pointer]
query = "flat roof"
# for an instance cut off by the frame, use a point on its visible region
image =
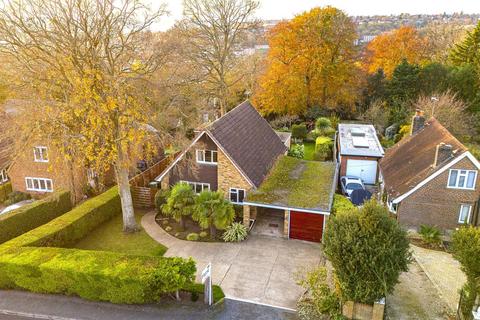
(359, 140)
(297, 184)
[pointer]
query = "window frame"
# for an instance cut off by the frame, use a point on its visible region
(469, 215)
(457, 179)
(39, 183)
(203, 152)
(42, 151)
(3, 176)
(236, 190)
(204, 185)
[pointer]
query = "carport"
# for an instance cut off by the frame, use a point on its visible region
(302, 190)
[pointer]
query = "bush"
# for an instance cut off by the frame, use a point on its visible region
(431, 235)
(73, 225)
(94, 275)
(26, 218)
(200, 289)
(161, 198)
(168, 228)
(341, 204)
(368, 251)
(322, 124)
(180, 203)
(192, 236)
(323, 148)
(236, 232)
(299, 131)
(203, 234)
(16, 196)
(297, 151)
(5, 190)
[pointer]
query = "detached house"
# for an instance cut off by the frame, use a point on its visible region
(431, 178)
(242, 156)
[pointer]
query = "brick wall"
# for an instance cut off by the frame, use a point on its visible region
(435, 204)
(229, 176)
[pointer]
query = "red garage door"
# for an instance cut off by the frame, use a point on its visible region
(306, 226)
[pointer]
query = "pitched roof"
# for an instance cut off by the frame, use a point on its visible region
(410, 161)
(248, 140)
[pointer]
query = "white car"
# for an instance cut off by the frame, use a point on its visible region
(349, 184)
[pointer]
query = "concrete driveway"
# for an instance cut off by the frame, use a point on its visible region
(261, 269)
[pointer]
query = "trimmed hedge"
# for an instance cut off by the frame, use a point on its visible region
(323, 148)
(94, 275)
(5, 190)
(21, 220)
(74, 225)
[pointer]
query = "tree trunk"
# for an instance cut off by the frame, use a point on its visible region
(213, 231)
(121, 172)
(182, 223)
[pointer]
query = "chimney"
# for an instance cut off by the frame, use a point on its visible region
(442, 153)
(418, 121)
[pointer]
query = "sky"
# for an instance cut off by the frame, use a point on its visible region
(285, 9)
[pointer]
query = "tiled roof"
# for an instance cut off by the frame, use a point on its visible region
(411, 160)
(249, 141)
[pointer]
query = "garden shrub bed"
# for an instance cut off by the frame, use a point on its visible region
(190, 227)
(199, 289)
(5, 190)
(94, 275)
(21, 220)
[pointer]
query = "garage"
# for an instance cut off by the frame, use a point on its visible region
(364, 169)
(306, 226)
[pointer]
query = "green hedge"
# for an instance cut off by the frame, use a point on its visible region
(21, 220)
(94, 275)
(341, 204)
(74, 225)
(323, 148)
(5, 190)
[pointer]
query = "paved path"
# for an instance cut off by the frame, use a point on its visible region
(21, 305)
(444, 272)
(260, 269)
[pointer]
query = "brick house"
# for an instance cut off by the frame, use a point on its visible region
(5, 149)
(239, 154)
(431, 178)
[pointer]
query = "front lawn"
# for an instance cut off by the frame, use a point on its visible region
(110, 237)
(309, 150)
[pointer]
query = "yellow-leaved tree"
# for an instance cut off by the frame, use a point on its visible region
(311, 62)
(87, 63)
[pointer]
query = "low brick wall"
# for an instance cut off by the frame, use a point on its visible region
(361, 311)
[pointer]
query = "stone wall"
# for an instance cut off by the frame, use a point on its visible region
(229, 176)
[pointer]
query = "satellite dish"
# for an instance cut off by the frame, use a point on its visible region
(359, 196)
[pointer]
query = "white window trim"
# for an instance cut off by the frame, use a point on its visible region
(41, 150)
(3, 175)
(205, 186)
(236, 190)
(202, 151)
(466, 179)
(468, 216)
(38, 189)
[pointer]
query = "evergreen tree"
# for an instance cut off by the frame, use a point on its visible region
(404, 84)
(468, 51)
(375, 88)
(213, 211)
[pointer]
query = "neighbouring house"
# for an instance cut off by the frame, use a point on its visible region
(431, 178)
(242, 156)
(359, 151)
(5, 149)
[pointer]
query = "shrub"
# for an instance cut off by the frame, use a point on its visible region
(299, 131)
(192, 236)
(368, 251)
(203, 234)
(168, 228)
(200, 289)
(213, 210)
(16, 196)
(180, 203)
(323, 146)
(161, 198)
(341, 204)
(236, 232)
(94, 275)
(297, 151)
(430, 235)
(322, 124)
(73, 225)
(5, 190)
(26, 218)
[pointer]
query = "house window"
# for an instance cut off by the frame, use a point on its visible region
(39, 184)
(3, 176)
(197, 186)
(207, 156)
(462, 179)
(40, 154)
(237, 195)
(465, 212)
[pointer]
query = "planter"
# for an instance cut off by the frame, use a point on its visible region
(361, 311)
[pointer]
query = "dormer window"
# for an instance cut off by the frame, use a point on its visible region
(462, 179)
(40, 154)
(207, 156)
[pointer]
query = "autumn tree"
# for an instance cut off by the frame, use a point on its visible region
(89, 65)
(388, 50)
(311, 62)
(441, 38)
(215, 30)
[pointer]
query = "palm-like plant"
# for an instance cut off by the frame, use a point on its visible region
(213, 211)
(180, 203)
